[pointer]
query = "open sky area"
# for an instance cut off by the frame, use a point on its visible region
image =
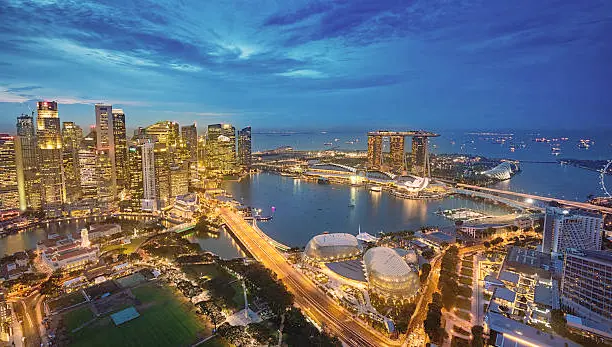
(451, 64)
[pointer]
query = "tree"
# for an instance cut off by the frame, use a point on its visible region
(52, 286)
(428, 253)
(433, 320)
(477, 336)
(558, 322)
(486, 244)
(425, 269)
(260, 332)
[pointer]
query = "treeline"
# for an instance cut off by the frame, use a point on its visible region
(448, 283)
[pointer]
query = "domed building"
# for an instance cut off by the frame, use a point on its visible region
(388, 273)
(332, 247)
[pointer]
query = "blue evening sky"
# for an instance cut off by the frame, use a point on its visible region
(449, 64)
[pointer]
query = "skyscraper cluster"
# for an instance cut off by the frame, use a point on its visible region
(58, 169)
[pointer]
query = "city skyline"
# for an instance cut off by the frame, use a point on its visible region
(422, 65)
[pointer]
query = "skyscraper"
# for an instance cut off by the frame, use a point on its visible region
(120, 141)
(565, 229)
(88, 167)
(165, 132)
(105, 147)
(244, 148)
(27, 163)
(148, 177)
(72, 135)
(586, 286)
(179, 180)
(221, 149)
(397, 153)
(162, 175)
(9, 190)
(374, 152)
(49, 141)
(189, 135)
(135, 176)
(420, 156)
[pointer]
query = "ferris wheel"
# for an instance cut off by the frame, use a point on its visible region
(602, 178)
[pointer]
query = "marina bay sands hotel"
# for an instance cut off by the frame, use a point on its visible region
(397, 156)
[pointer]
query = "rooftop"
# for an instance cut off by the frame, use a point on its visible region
(543, 295)
(604, 256)
(508, 276)
(402, 133)
(504, 294)
(335, 239)
(523, 335)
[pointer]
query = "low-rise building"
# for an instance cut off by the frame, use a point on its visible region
(505, 332)
(97, 231)
(70, 256)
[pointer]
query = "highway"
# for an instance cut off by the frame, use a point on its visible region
(577, 204)
(313, 302)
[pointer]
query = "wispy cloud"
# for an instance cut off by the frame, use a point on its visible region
(303, 73)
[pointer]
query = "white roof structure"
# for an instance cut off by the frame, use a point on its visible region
(502, 171)
(365, 237)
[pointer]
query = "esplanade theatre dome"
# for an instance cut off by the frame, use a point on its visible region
(332, 247)
(388, 274)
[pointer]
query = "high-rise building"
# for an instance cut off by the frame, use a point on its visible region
(374, 152)
(162, 175)
(165, 132)
(72, 135)
(221, 148)
(27, 163)
(120, 141)
(586, 286)
(88, 167)
(49, 139)
(105, 151)
(397, 153)
(244, 148)
(565, 229)
(9, 190)
(135, 176)
(148, 177)
(420, 156)
(179, 180)
(189, 136)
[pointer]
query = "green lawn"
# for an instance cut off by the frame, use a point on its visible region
(125, 249)
(66, 301)
(199, 270)
(238, 294)
(466, 272)
(216, 342)
(165, 320)
(77, 317)
(465, 280)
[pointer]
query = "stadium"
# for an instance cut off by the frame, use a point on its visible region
(389, 275)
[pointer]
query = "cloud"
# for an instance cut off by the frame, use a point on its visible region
(8, 96)
(303, 73)
(186, 67)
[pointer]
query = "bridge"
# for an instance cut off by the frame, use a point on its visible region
(510, 202)
(273, 242)
(526, 197)
(182, 227)
(313, 302)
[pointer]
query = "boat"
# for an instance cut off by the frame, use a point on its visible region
(351, 205)
(376, 188)
(327, 144)
(585, 144)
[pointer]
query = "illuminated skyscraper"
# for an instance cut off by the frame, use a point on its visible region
(576, 229)
(72, 135)
(105, 148)
(221, 149)
(9, 190)
(420, 156)
(165, 132)
(135, 176)
(88, 167)
(148, 177)
(49, 140)
(374, 152)
(120, 141)
(27, 163)
(162, 175)
(179, 180)
(189, 135)
(397, 153)
(244, 148)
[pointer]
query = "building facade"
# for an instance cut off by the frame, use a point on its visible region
(120, 151)
(148, 177)
(374, 152)
(88, 168)
(189, 137)
(135, 176)
(244, 148)
(49, 139)
(565, 228)
(72, 135)
(27, 163)
(586, 286)
(221, 149)
(9, 188)
(420, 156)
(105, 151)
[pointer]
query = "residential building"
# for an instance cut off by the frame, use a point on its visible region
(586, 286)
(565, 228)
(26, 147)
(244, 148)
(49, 139)
(9, 188)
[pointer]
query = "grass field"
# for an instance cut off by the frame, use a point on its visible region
(216, 342)
(131, 280)
(66, 301)
(165, 321)
(125, 249)
(77, 317)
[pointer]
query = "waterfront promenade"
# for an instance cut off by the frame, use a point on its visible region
(313, 302)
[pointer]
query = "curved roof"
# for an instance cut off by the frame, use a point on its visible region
(332, 246)
(333, 167)
(502, 171)
(389, 274)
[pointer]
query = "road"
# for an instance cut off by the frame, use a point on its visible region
(416, 333)
(313, 302)
(582, 205)
(30, 309)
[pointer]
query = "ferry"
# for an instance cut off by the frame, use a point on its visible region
(585, 144)
(376, 188)
(327, 144)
